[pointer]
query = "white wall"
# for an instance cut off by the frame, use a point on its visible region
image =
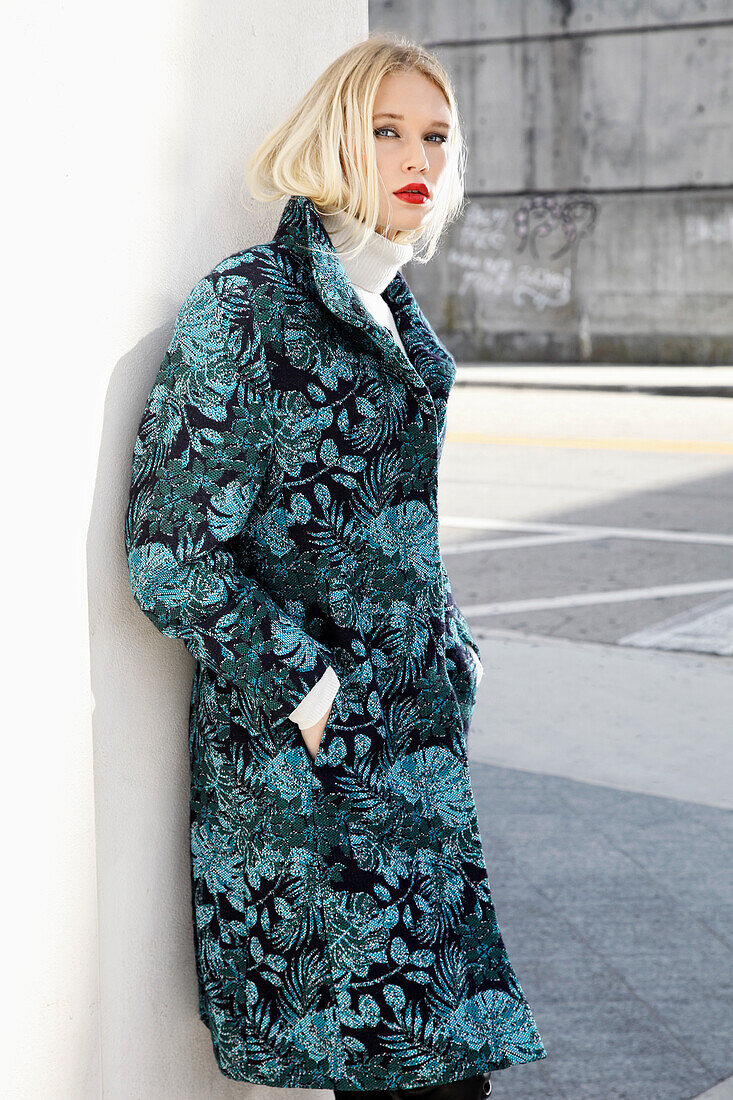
(130, 127)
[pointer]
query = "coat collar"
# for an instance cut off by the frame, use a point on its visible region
(429, 368)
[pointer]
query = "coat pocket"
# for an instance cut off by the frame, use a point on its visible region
(355, 724)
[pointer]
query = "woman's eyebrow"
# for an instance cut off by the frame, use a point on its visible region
(389, 114)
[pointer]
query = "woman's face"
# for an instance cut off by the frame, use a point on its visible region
(411, 123)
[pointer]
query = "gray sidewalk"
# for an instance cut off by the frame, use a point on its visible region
(616, 904)
(689, 380)
(589, 541)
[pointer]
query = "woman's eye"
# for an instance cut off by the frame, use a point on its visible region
(389, 130)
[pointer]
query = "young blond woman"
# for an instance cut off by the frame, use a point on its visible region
(283, 524)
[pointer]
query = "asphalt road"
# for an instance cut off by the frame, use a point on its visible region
(589, 540)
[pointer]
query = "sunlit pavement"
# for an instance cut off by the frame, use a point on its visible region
(599, 585)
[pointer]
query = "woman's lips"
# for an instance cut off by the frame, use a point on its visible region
(411, 196)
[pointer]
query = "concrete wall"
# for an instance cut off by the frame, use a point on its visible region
(130, 128)
(600, 174)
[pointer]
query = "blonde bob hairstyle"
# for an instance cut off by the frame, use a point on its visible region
(325, 148)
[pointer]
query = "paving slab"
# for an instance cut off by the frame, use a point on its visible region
(635, 719)
(609, 903)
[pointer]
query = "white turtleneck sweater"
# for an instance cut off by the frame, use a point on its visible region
(369, 272)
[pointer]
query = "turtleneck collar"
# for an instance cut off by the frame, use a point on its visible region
(376, 265)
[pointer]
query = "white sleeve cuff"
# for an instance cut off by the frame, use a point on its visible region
(479, 666)
(315, 704)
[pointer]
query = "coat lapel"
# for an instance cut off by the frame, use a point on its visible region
(429, 367)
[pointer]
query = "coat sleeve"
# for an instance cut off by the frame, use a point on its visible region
(454, 613)
(202, 451)
(314, 707)
(477, 662)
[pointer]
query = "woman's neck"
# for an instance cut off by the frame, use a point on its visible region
(375, 266)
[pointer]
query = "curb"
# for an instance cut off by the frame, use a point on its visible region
(673, 381)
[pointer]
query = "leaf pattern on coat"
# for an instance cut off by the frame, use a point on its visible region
(283, 519)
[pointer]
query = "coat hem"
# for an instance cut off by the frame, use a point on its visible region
(382, 1079)
(456, 1073)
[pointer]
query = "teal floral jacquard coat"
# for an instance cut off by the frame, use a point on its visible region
(283, 518)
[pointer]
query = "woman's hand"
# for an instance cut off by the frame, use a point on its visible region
(312, 736)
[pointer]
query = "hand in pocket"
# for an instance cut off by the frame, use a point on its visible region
(312, 736)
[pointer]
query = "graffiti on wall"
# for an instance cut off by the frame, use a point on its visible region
(515, 253)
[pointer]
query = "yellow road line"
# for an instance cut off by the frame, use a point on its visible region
(678, 446)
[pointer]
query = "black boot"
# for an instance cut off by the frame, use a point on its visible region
(362, 1094)
(470, 1088)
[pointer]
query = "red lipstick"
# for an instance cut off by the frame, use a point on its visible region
(413, 193)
